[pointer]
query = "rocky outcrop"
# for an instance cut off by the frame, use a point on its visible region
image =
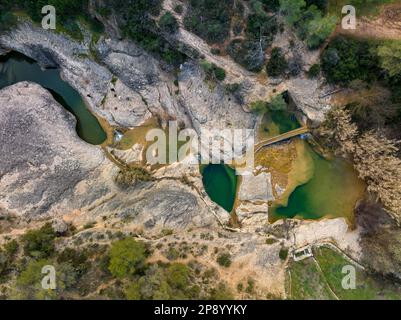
(46, 170)
(51, 49)
(42, 158)
(145, 86)
(256, 188)
(125, 84)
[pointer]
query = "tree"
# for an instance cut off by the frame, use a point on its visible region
(292, 10)
(314, 70)
(277, 63)
(277, 103)
(247, 53)
(28, 285)
(163, 282)
(168, 23)
(258, 107)
(347, 59)
(213, 72)
(374, 157)
(319, 29)
(178, 276)
(39, 243)
(376, 160)
(127, 256)
(221, 292)
(390, 57)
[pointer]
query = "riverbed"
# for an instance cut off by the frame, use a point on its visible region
(15, 67)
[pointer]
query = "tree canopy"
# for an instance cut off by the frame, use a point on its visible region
(127, 256)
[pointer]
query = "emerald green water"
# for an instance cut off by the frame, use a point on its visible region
(332, 190)
(220, 183)
(15, 68)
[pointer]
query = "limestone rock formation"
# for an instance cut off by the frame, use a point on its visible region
(46, 170)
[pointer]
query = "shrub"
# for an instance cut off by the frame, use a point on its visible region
(127, 257)
(28, 283)
(178, 276)
(277, 64)
(172, 254)
(390, 57)
(209, 19)
(292, 10)
(221, 292)
(258, 107)
(224, 260)
(314, 71)
(11, 248)
(7, 20)
(247, 53)
(212, 71)
(277, 103)
(319, 29)
(283, 253)
(164, 282)
(346, 60)
(215, 51)
(129, 176)
(168, 23)
(77, 259)
(251, 286)
(179, 9)
(89, 225)
(39, 243)
(309, 21)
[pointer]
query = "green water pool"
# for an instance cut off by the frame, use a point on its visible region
(332, 190)
(321, 187)
(15, 67)
(220, 183)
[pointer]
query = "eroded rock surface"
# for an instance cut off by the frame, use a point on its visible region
(46, 170)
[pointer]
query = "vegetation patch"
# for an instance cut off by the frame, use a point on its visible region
(309, 19)
(209, 19)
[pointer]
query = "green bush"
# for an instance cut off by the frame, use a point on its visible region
(209, 19)
(283, 254)
(390, 57)
(277, 64)
(345, 60)
(28, 283)
(7, 20)
(212, 71)
(224, 260)
(39, 243)
(259, 107)
(178, 276)
(127, 177)
(127, 257)
(11, 248)
(314, 71)
(168, 23)
(77, 259)
(179, 9)
(309, 20)
(277, 103)
(247, 53)
(221, 292)
(164, 282)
